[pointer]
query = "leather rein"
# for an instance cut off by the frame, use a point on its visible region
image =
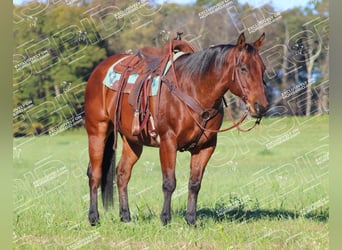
(207, 114)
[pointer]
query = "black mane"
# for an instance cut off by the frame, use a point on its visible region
(199, 63)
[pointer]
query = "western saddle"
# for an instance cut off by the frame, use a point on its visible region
(149, 63)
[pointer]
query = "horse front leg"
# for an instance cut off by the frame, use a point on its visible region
(198, 163)
(130, 154)
(167, 153)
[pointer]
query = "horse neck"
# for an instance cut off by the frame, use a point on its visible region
(208, 89)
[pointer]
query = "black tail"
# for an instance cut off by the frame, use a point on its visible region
(108, 174)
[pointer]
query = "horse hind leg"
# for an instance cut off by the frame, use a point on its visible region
(93, 214)
(97, 139)
(94, 180)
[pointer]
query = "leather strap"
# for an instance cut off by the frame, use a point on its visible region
(204, 114)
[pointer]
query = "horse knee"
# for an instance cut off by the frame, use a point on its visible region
(169, 185)
(123, 174)
(194, 185)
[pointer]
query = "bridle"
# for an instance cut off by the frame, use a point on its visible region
(244, 96)
(235, 72)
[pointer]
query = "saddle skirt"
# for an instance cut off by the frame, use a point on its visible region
(115, 73)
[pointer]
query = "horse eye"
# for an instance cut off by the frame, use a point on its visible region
(243, 68)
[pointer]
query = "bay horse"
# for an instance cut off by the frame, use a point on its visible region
(188, 113)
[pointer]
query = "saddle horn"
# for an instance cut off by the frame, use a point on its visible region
(179, 35)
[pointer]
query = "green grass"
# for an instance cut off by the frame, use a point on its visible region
(265, 189)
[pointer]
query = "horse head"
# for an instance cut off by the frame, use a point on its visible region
(247, 75)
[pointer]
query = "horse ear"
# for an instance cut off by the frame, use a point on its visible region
(241, 41)
(258, 43)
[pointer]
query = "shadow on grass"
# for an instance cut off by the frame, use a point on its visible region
(241, 215)
(238, 212)
(220, 214)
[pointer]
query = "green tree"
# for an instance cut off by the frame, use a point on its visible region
(51, 55)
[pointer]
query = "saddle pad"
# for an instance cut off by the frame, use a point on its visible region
(112, 78)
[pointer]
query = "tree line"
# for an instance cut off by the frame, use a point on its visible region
(58, 43)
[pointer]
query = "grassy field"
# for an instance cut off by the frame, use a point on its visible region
(266, 189)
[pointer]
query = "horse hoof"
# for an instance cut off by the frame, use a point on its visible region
(125, 219)
(191, 219)
(94, 218)
(125, 216)
(165, 218)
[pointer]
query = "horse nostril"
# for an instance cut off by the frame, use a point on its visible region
(259, 108)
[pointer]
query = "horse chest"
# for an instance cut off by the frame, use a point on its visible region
(193, 137)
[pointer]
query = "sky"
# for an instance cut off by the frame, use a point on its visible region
(279, 5)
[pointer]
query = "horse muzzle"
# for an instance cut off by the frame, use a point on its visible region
(257, 110)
